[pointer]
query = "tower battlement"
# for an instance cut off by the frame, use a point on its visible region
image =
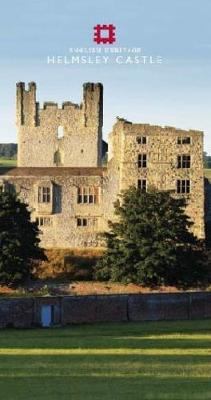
(38, 127)
(72, 205)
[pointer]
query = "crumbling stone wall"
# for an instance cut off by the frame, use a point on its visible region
(162, 172)
(64, 164)
(63, 209)
(38, 142)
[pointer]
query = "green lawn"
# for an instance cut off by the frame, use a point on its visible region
(163, 360)
(207, 173)
(7, 162)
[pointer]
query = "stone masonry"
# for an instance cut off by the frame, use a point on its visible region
(165, 158)
(27, 312)
(70, 136)
(60, 174)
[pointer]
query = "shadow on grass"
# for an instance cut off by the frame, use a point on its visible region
(109, 376)
(113, 335)
(105, 388)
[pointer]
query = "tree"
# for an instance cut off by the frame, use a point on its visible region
(8, 150)
(19, 242)
(151, 244)
(207, 160)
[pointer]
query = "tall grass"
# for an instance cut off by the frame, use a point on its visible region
(71, 264)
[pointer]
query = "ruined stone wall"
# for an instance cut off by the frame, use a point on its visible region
(63, 210)
(115, 154)
(39, 141)
(41, 146)
(162, 170)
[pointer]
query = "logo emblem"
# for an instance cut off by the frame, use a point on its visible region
(104, 34)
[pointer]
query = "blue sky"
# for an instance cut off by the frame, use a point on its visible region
(175, 93)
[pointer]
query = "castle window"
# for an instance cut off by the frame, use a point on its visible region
(142, 161)
(87, 222)
(141, 140)
(183, 161)
(88, 195)
(57, 159)
(183, 186)
(44, 194)
(60, 132)
(44, 221)
(81, 221)
(142, 185)
(7, 188)
(183, 140)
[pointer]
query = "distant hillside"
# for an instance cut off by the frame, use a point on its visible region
(8, 150)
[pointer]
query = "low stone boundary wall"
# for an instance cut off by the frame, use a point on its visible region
(28, 312)
(80, 309)
(158, 306)
(17, 312)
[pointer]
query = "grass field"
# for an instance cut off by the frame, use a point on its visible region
(207, 173)
(145, 361)
(7, 162)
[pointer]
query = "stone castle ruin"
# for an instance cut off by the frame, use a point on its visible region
(66, 137)
(60, 173)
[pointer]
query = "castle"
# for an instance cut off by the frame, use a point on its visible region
(60, 173)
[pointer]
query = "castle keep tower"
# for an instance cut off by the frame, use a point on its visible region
(70, 136)
(69, 193)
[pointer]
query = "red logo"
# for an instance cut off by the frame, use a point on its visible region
(104, 34)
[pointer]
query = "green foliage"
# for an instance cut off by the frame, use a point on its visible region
(207, 160)
(19, 242)
(8, 150)
(151, 243)
(10, 162)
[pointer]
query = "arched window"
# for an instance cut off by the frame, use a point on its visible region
(57, 159)
(60, 132)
